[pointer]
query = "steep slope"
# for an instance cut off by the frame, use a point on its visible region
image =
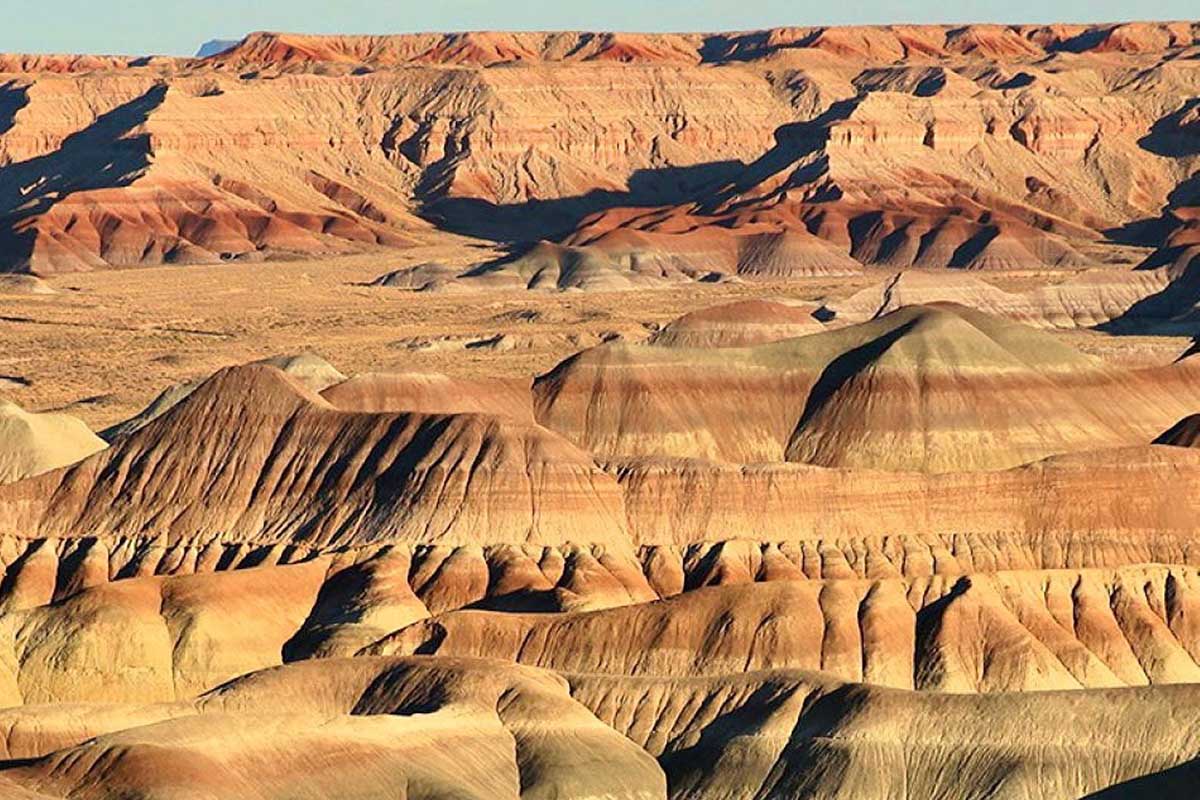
(254, 455)
(945, 384)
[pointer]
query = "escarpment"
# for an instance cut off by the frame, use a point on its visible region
(785, 152)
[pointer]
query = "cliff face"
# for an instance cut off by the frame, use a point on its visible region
(982, 146)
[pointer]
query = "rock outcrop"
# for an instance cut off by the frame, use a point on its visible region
(359, 728)
(236, 455)
(898, 539)
(740, 324)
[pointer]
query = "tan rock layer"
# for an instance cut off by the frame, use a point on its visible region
(1007, 632)
(791, 522)
(249, 449)
(361, 728)
(516, 731)
(794, 734)
(167, 637)
(940, 388)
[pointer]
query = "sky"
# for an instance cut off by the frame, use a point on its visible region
(179, 27)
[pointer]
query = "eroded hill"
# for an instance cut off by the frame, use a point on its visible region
(780, 152)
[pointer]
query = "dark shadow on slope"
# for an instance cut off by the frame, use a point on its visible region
(1173, 310)
(839, 372)
(1171, 136)
(1169, 312)
(1154, 231)
(1018, 81)
(338, 603)
(1186, 193)
(1181, 781)
(971, 249)
(535, 220)
(98, 157)
(1081, 42)
(711, 185)
(793, 143)
(926, 659)
(688, 767)
(1182, 433)
(12, 99)
(1192, 350)
(723, 47)
(32, 548)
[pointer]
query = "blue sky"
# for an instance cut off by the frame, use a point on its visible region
(179, 26)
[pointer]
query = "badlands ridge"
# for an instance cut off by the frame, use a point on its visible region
(861, 460)
(655, 559)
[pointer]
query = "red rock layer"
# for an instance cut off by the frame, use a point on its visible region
(777, 152)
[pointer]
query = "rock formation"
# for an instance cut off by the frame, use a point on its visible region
(739, 324)
(938, 388)
(782, 152)
(822, 519)
(417, 546)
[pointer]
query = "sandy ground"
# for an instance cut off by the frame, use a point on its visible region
(109, 341)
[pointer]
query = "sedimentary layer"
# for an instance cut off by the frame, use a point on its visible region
(785, 152)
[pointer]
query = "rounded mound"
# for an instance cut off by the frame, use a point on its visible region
(24, 284)
(739, 324)
(31, 444)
